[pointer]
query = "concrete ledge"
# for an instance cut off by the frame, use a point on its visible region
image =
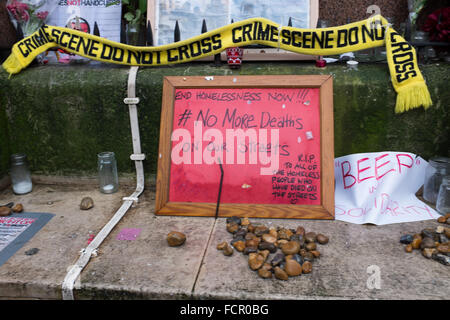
(62, 116)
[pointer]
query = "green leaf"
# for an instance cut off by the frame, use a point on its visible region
(128, 16)
(125, 1)
(113, 3)
(143, 5)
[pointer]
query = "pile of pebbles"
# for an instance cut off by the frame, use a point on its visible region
(433, 243)
(273, 251)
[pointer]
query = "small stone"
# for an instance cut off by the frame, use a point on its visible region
(428, 252)
(316, 254)
(298, 258)
(311, 246)
(416, 243)
(310, 237)
(241, 233)
(222, 245)
(439, 229)
(245, 222)
(236, 239)
(265, 271)
(280, 274)
(445, 260)
(277, 259)
(255, 261)
(252, 243)
(308, 257)
(32, 251)
(239, 245)
(17, 208)
(267, 246)
(417, 236)
(443, 238)
(447, 232)
(408, 248)
(249, 250)
(301, 231)
(251, 228)
(307, 267)
(442, 219)
(281, 242)
(175, 238)
(292, 247)
(86, 203)
(5, 211)
(273, 232)
(406, 239)
(284, 233)
(228, 251)
(444, 248)
(427, 243)
(292, 268)
(264, 254)
(234, 219)
(249, 236)
(429, 233)
(260, 230)
(232, 227)
(267, 237)
(322, 239)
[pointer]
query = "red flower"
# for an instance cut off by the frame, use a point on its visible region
(438, 25)
(42, 15)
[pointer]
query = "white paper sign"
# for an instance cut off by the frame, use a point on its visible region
(379, 188)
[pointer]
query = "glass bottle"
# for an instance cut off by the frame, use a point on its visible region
(20, 174)
(436, 170)
(107, 172)
(443, 198)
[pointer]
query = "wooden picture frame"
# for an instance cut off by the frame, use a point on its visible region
(323, 211)
(250, 54)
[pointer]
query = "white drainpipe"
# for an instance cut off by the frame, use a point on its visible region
(137, 157)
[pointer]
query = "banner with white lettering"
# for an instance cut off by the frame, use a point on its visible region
(380, 188)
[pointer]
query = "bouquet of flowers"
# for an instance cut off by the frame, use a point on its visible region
(29, 15)
(438, 25)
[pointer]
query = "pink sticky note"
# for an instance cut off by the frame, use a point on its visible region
(128, 234)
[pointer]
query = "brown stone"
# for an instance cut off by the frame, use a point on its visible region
(291, 247)
(443, 248)
(265, 271)
(408, 248)
(232, 227)
(315, 253)
(442, 219)
(311, 246)
(252, 243)
(306, 267)
(255, 261)
(310, 237)
(228, 250)
(428, 252)
(273, 232)
(86, 203)
(281, 242)
(427, 243)
(417, 236)
(284, 233)
(222, 245)
(260, 230)
(280, 274)
(267, 237)
(447, 232)
(5, 211)
(439, 229)
(322, 239)
(239, 245)
(415, 244)
(301, 231)
(175, 238)
(17, 208)
(292, 268)
(249, 236)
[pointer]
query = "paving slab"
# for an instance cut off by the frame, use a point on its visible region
(145, 267)
(351, 257)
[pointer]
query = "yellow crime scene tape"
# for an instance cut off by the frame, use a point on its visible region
(406, 77)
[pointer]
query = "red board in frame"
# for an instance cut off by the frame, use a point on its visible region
(300, 108)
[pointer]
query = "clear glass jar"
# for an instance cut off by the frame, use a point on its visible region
(436, 170)
(20, 174)
(107, 172)
(443, 198)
